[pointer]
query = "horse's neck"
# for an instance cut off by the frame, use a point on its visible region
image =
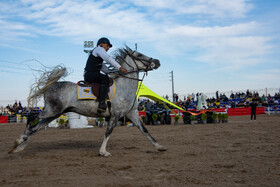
(128, 82)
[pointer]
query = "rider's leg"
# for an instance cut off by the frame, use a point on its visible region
(102, 106)
(103, 92)
(103, 80)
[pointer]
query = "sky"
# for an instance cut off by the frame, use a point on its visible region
(209, 45)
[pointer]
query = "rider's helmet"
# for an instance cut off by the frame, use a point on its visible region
(104, 40)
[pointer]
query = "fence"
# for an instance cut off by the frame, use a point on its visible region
(15, 118)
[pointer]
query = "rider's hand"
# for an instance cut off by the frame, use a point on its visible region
(123, 70)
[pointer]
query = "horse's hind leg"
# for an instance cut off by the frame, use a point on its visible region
(32, 127)
(136, 120)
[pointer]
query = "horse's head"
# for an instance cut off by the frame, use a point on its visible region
(136, 61)
(144, 62)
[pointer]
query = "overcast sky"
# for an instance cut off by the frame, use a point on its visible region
(210, 45)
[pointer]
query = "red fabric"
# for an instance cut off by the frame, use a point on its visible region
(141, 113)
(244, 111)
(239, 111)
(3, 119)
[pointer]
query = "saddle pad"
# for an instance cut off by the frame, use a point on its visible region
(86, 92)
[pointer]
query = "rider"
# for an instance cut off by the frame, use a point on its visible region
(95, 66)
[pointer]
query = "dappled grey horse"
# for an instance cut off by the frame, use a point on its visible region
(61, 97)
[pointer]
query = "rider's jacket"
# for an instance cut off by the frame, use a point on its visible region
(94, 64)
(95, 60)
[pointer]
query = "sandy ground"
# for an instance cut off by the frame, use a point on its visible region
(238, 153)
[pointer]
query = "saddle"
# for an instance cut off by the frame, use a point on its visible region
(95, 86)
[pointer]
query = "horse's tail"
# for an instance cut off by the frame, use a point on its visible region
(45, 80)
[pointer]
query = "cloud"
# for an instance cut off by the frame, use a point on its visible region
(234, 45)
(266, 77)
(73, 18)
(235, 50)
(231, 30)
(215, 8)
(87, 19)
(15, 31)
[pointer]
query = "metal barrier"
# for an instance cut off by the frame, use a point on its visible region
(17, 118)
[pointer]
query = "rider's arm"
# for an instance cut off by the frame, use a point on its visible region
(100, 51)
(105, 69)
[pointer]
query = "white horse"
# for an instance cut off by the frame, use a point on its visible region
(61, 97)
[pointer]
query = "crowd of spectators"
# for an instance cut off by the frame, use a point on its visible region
(16, 108)
(239, 99)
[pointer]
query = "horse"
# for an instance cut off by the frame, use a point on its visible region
(61, 97)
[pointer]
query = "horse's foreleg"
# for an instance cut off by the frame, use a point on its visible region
(136, 120)
(111, 125)
(31, 128)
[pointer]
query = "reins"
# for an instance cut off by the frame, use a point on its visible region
(134, 71)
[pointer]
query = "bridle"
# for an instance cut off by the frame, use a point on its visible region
(143, 61)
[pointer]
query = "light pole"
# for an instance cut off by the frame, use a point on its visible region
(172, 80)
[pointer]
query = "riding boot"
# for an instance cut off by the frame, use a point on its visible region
(102, 106)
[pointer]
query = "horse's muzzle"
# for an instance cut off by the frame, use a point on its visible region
(155, 64)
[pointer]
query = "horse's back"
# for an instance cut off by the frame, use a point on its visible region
(62, 96)
(61, 91)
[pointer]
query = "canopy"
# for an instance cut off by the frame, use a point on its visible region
(143, 91)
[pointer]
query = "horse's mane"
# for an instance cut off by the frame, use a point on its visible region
(121, 53)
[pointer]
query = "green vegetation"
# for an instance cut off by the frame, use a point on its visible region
(155, 117)
(204, 117)
(214, 116)
(176, 118)
(192, 117)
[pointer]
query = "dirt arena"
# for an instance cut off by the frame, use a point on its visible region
(238, 153)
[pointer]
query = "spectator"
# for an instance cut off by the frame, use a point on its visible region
(176, 98)
(253, 110)
(187, 103)
(166, 97)
(193, 96)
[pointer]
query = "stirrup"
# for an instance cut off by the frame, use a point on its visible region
(101, 110)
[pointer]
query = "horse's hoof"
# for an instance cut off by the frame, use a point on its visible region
(12, 151)
(15, 150)
(17, 147)
(105, 154)
(161, 148)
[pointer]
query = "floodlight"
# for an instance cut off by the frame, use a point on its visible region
(88, 46)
